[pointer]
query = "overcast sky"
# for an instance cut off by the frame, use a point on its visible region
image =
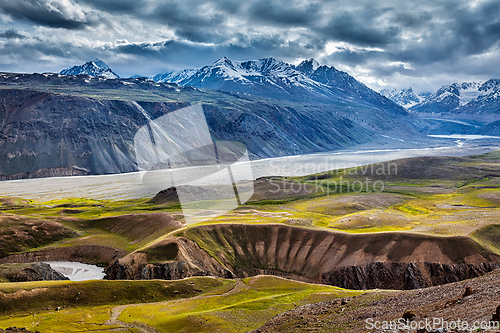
(383, 43)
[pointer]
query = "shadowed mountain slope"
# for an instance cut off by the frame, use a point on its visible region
(56, 125)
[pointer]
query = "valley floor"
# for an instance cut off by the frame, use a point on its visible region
(264, 304)
(434, 227)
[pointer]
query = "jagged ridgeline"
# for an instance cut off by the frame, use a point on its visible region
(59, 125)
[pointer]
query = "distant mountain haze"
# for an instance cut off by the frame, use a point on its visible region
(468, 100)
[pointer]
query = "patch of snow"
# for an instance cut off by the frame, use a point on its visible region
(76, 271)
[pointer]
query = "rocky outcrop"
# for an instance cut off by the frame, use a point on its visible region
(186, 259)
(89, 254)
(35, 272)
(403, 275)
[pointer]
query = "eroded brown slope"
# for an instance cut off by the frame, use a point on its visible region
(358, 261)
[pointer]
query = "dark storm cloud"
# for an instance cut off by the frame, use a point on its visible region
(117, 6)
(284, 12)
(478, 30)
(193, 21)
(413, 20)
(431, 39)
(352, 29)
(377, 38)
(11, 34)
(189, 53)
(35, 49)
(54, 14)
(354, 58)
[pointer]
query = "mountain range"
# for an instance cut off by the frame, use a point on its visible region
(274, 108)
(57, 125)
(478, 101)
(308, 82)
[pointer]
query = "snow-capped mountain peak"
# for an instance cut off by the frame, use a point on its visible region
(224, 62)
(92, 68)
(489, 85)
(307, 82)
(308, 66)
(405, 97)
(459, 93)
(101, 64)
(238, 69)
(467, 91)
(273, 66)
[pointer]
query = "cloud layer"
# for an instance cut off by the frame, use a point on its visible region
(383, 43)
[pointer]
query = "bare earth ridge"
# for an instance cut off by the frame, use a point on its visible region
(448, 303)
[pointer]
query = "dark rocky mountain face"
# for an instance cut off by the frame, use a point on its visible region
(45, 130)
(66, 125)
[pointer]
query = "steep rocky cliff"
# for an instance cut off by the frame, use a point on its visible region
(356, 261)
(413, 275)
(171, 260)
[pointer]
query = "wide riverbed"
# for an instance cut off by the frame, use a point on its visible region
(133, 185)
